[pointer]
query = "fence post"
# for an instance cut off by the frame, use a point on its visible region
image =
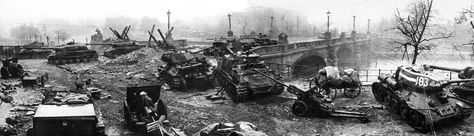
(450, 75)
(367, 76)
(379, 71)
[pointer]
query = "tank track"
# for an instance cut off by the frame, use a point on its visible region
(464, 91)
(398, 106)
(237, 93)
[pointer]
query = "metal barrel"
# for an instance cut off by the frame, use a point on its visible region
(444, 68)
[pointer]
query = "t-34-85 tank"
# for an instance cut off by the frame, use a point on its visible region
(72, 54)
(236, 76)
(421, 96)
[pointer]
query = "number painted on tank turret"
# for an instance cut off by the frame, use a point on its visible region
(422, 81)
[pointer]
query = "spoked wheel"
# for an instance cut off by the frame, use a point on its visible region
(314, 82)
(330, 92)
(352, 92)
(299, 108)
(182, 86)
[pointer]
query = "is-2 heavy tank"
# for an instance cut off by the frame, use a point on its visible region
(236, 75)
(72, 54)
(421, 97)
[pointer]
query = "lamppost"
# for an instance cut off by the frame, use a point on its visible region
(230, 33)
(353, 26)
(272, 32)
(169, 13)
(328, 13)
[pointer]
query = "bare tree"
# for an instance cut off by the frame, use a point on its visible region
(414, 28)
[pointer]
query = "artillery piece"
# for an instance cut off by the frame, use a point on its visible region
(421, 97)
(311, 102)
(182, 69)
(463, 90)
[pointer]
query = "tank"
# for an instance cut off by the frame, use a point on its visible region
(183, 70)
(421, 97)
(236, 76)
(121, 48)
(35, 50)
(72, 54)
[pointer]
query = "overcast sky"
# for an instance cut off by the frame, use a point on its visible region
(13, 12)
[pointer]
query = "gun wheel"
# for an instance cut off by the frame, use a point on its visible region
(299, 108)
(352, 92)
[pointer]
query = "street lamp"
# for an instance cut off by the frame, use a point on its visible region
(230, 25)
(354, 23)
(169, 13)
(328, 13)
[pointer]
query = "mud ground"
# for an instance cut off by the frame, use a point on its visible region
(190, 111)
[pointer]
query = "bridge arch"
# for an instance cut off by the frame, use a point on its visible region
(308, 65)
(345, 57)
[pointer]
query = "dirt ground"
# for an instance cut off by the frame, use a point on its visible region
(190, 111)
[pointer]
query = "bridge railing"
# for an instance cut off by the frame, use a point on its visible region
(274, 49)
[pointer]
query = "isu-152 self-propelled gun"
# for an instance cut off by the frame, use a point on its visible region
(421, 96)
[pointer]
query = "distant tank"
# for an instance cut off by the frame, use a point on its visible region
(236, 76)
(120, 48)
(34, 50)
(421, 97)
(72, 54)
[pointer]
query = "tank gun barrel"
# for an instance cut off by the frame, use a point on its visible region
(290, 88)
(443, 68)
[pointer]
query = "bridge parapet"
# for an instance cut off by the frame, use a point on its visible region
(303, 46)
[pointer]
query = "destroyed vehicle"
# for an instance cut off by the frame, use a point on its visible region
(421, 97)
(72, 54)
(141, 118)
(236, 76)
(182, 69)
(66, 120)
(121, 48)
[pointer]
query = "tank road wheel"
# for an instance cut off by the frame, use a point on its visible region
(241, 94)
(179, 84)
(394, 106)
(386, 100)
(77, 60)
(376, 90)
(83, 59)
(404, 112)
(299, 108)
(352, 92)
(277, 89)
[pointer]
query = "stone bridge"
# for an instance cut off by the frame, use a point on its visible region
(305, 58)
